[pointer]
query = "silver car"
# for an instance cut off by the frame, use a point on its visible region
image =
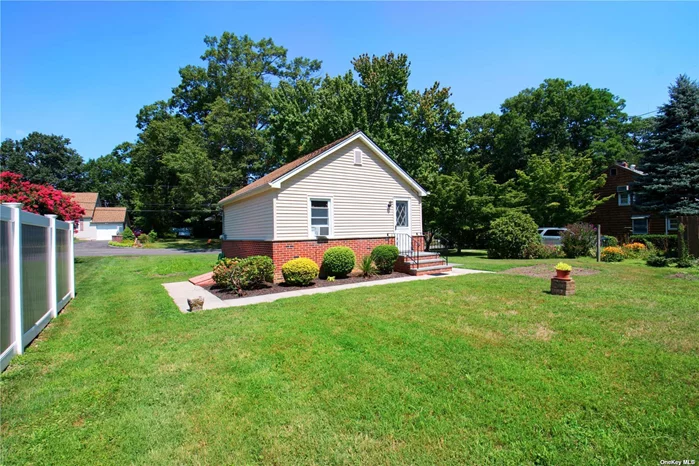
(551, 235)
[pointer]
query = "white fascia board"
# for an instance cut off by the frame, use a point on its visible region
(252, 192)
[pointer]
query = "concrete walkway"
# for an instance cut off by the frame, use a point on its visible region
(181, 291)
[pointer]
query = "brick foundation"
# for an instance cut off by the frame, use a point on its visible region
(246, 248)
(283, 251)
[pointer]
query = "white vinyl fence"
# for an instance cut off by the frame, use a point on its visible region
(36, 275)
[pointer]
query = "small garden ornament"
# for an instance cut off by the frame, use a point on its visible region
(196, 304)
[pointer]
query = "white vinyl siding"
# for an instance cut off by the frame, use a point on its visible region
(251, 218)
(359, 194)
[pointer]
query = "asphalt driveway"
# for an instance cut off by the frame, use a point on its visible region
(102, 248)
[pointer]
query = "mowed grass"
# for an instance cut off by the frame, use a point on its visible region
(476, 369)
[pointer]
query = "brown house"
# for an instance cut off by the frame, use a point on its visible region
(618, 216)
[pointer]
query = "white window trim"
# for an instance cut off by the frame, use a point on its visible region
(395, 212)
(667, 224)
(640, 217)
(622, 204)
(331, 215)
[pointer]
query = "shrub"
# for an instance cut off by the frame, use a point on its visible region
(252, 272)
(223, 270)
(664, 243)
(144, 239)
(635, 250)
(538, 250)
(243, 274)
(153, 236)
(122, 244)
(385, 257)
(609, 241)
(127, 234)
(301, 271)
(578, 239)
(366, 265)
(657, 261)
(612, 254)
(338, 261)
(510, 235)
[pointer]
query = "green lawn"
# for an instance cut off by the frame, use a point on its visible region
(470, 370)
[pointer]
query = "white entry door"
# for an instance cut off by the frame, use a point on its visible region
(402, 219)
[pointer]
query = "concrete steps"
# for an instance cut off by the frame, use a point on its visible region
(426, 263)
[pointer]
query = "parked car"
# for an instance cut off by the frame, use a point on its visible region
(551, 235)
(183, 232)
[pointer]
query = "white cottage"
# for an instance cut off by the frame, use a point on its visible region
(98, 223)
(347, 193)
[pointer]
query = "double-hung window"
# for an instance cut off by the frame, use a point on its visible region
(639, 225)
(672, 223)
(320, 217)
(623, 195)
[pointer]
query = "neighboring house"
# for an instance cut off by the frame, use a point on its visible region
(98, 223)
(348, 193)
(619, 216)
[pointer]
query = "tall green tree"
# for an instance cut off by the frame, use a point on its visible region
(461, 206)
(557, 116)
(559, 188)
(671, 161)
(111, 177)
(44, 159)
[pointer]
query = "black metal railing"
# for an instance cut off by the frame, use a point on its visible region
(441, 246)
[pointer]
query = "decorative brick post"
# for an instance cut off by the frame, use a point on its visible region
(562, 287)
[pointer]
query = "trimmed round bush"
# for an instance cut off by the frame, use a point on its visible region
(612, 254)
(301, 271)
(510, 235)
(338, 261)
(385, 257)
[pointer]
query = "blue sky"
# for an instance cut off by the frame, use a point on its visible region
(84, 70)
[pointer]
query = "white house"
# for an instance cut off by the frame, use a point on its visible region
(347, 193)
(98, 223)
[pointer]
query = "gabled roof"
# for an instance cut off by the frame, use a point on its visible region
(275, 178)
(109, 215)
(87, 201)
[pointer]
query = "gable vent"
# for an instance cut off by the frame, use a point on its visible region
(357, 157)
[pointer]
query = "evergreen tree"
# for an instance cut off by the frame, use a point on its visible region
(671, 160)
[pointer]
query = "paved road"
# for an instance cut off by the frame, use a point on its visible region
(102, 248)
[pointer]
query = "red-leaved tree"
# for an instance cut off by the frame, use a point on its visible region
(38, 198)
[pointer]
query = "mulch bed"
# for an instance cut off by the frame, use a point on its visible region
(684, 276)
(272, 288)
(547, 271)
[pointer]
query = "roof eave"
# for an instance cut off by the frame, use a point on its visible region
(246, 195)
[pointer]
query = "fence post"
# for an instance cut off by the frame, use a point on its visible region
(599, 242)
(16, 277)
(52, 265)
(71, 259)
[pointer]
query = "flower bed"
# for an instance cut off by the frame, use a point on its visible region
(271, 288)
